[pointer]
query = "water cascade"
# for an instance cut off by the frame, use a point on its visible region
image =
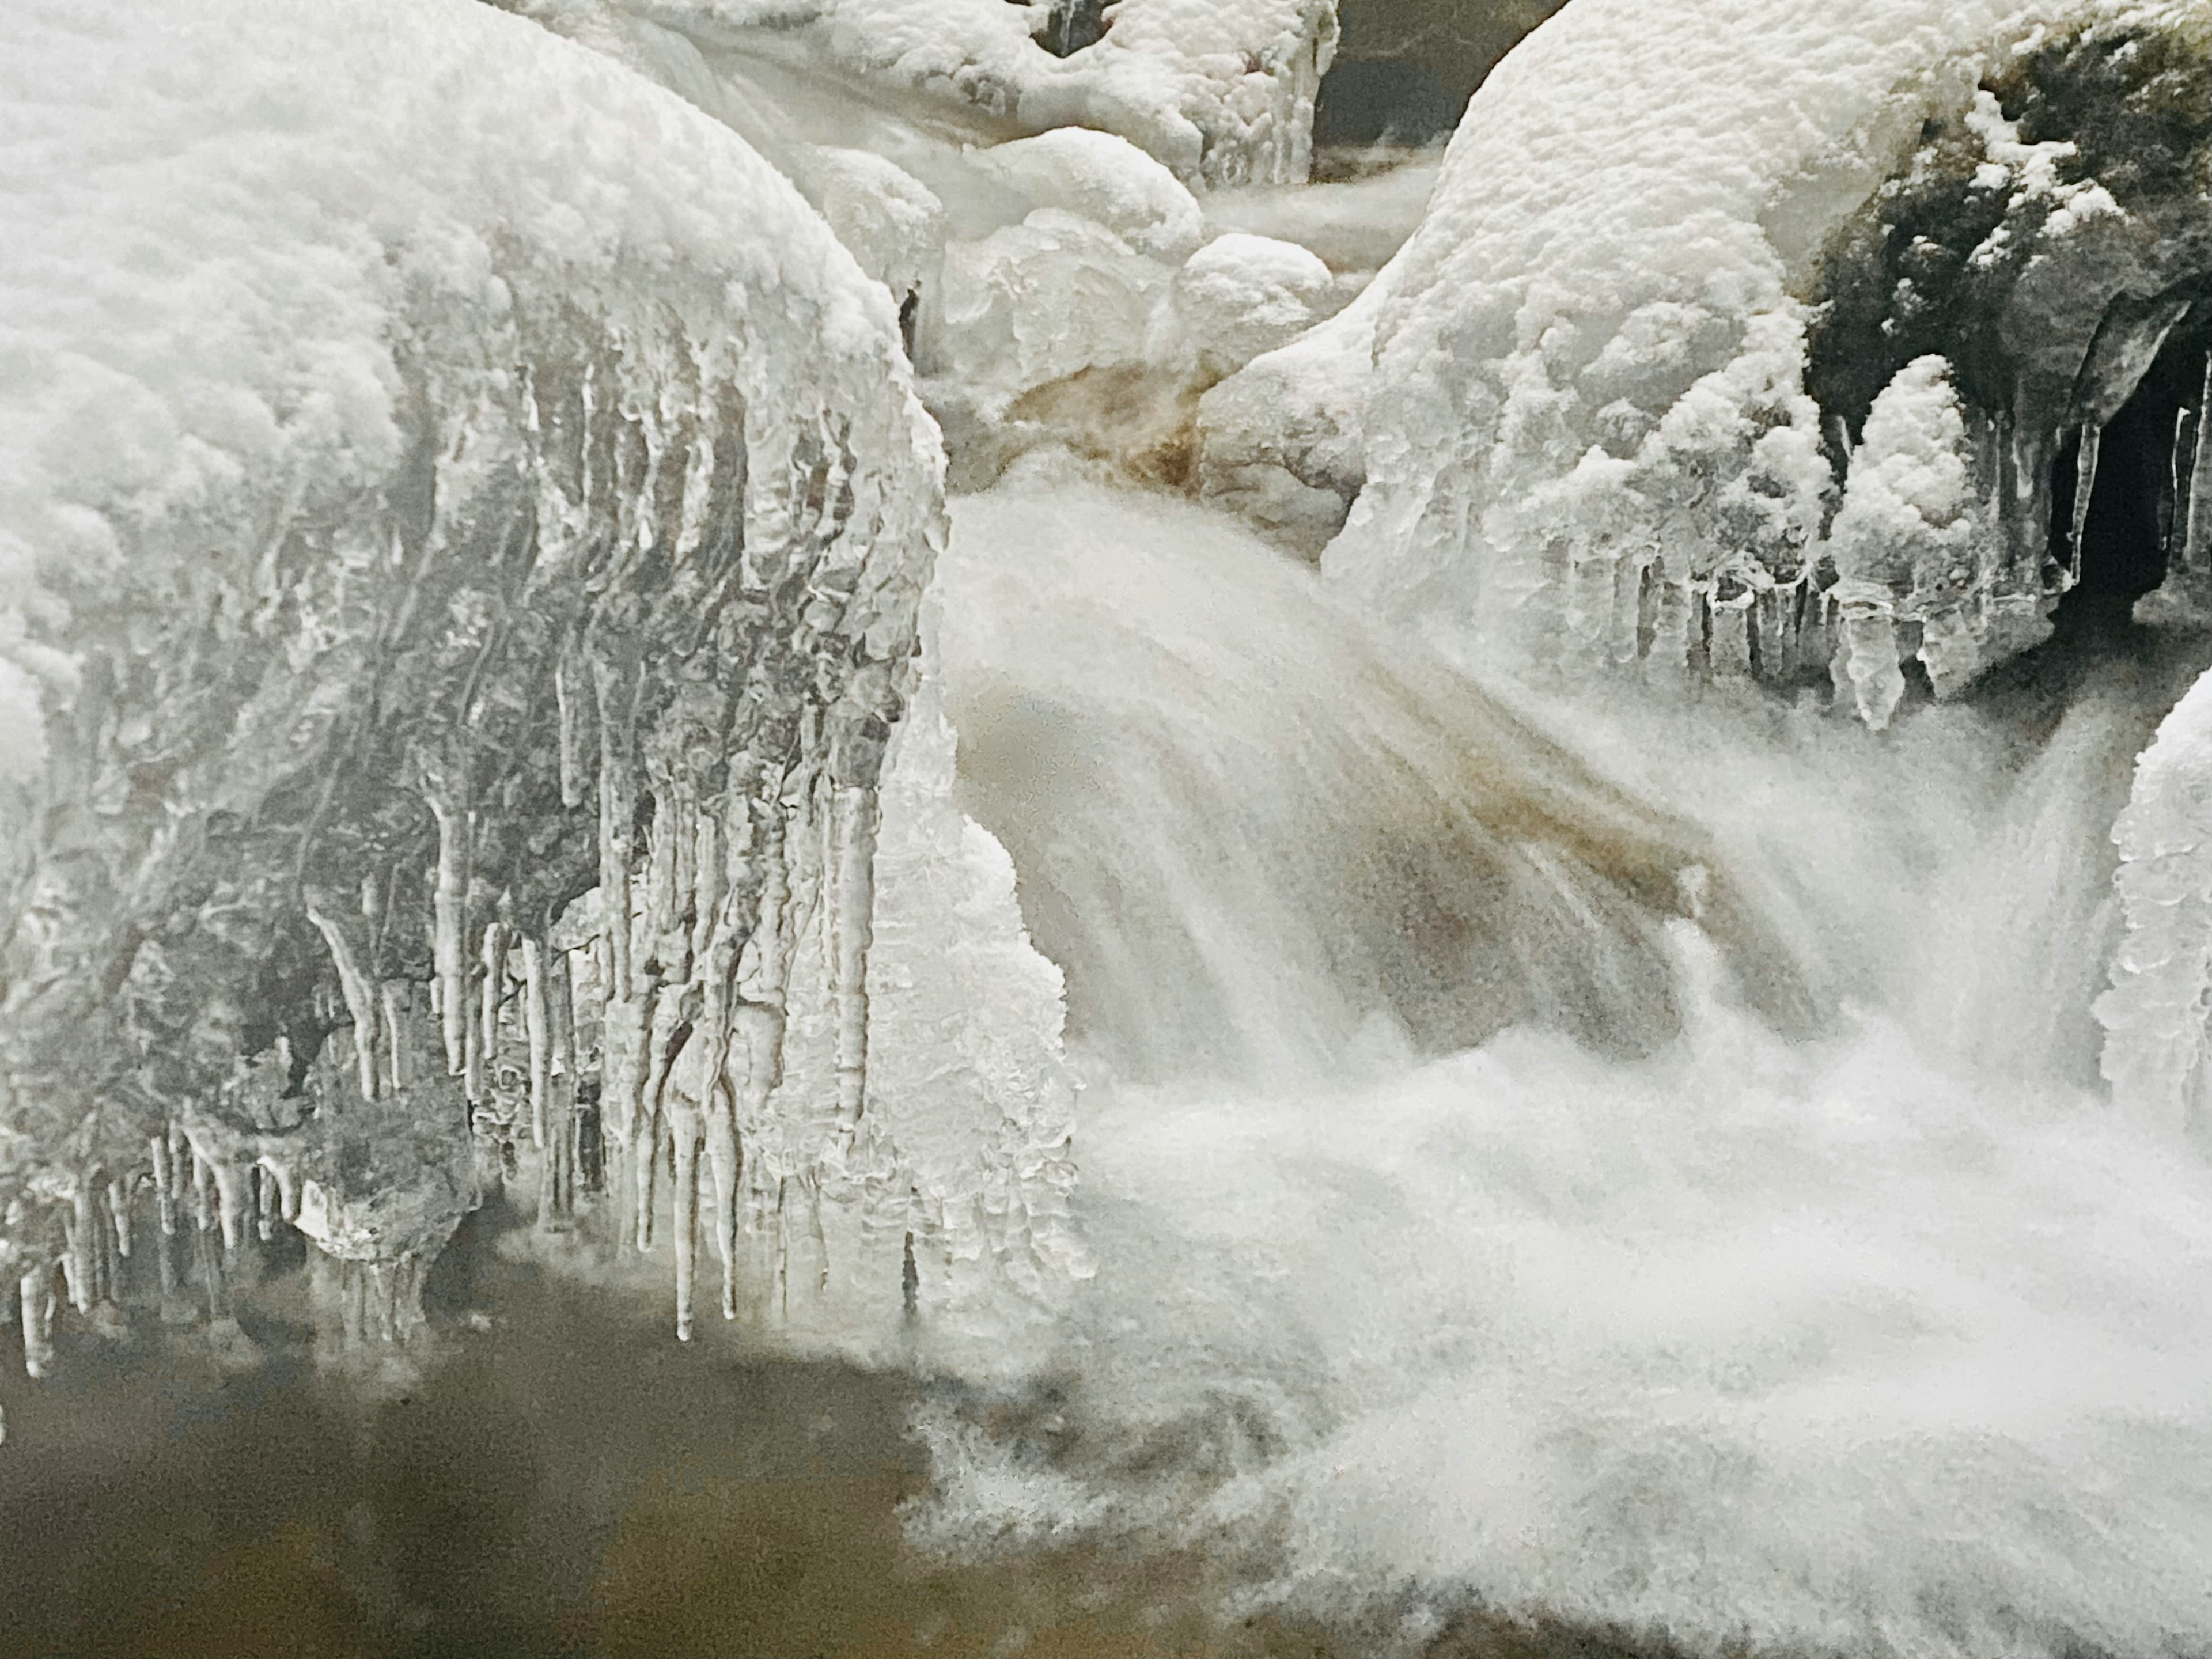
(1476, 892)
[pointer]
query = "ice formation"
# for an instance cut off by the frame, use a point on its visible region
(2158, 1014)
(462, 544)
(1618, 382)
(1222, 91)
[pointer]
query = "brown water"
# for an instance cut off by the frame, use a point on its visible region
(570, 1480)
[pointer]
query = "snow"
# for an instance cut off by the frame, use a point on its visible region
(1579, 284)
(1221, 91)
(1104, 177)
(1240, 295)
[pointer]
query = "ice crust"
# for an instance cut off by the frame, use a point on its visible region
(463, 520)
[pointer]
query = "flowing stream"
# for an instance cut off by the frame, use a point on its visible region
(1555, 1162)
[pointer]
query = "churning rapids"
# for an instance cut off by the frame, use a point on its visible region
(1570, 1153)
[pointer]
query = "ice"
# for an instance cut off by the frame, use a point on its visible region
(1914, 526)
(1285, 441)
(1596, 318)
(467, 517)
(1041, 301)
(2155, 1014)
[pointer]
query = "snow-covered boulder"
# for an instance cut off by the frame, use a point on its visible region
(462, 521)
(1240, 295)
(1105, 178)
(1221, 91)
(1618, 370)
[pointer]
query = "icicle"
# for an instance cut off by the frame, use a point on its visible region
(618, 703)
(723, 1154)
(855, 911)
(165, 1182)
(232, 1204)
(685, 1126)
(2198, 535)
(557, 1192)
(1625, 644)
(483, 1038)
(1673, 622)
(359, 1000)
(81, 1265)
(572, 692)
(35, 1292)
(449, 911)
(288, 1188)
(1729, 647)
(536, 1027)
(1866, 661)
(204, 1237)
(394, 998)
(1587, 614)
(119, 1211)
(2085, 487)
(269, 1205)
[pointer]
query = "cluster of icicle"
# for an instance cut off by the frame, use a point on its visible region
(1940, 549)
(594, 695)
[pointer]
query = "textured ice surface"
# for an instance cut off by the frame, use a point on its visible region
(1041, 301)
(2156, 1014)
(465, 518)
(1591, 431)
(1241, 294)
(1100, 177)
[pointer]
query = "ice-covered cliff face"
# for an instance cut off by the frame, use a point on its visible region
(1635, 393)
(463, 519)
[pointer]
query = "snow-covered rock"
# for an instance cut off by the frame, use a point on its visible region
(1222, 91)
(1240, 295)
(1618, 368)
(1105, 178)
(463, 519)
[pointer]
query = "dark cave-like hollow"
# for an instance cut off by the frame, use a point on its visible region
(2139, 498)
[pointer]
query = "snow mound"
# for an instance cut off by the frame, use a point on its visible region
(1100, 177)
(1240, 295)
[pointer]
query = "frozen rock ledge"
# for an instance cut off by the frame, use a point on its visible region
(462, 521)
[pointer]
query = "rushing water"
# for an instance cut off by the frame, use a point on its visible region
(1561, 1161)
(1477, 1230)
